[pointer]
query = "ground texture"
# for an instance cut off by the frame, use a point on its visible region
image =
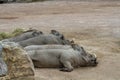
(93, 25)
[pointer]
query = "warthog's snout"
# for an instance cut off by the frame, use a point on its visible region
(94, 62)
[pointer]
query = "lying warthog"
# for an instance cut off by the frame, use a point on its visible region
(41, 47)
(25, 35)
(42, 39)
(67, 59)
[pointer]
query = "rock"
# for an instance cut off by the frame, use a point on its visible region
(3, 66)
(18, 62)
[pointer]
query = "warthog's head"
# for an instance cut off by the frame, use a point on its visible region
(58, 34)
(89, 59)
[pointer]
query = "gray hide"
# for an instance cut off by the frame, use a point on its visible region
(41, 39)
(3, 66)
(54, 58)
(41, 47)
(24, 36)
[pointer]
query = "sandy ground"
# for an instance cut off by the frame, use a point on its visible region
(93, 25)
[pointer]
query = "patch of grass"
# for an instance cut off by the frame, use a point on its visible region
(4, 35)
(17, 31)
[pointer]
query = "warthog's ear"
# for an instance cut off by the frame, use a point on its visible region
(56, 33)
(53, 31)
(35, 33)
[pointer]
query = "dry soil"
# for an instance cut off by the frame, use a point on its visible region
(93, 25)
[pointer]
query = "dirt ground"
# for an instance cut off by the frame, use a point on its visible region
(93, 25)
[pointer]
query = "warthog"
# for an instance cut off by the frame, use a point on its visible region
(41, 47)
(25, 35)
(43, 39)
(67, 59)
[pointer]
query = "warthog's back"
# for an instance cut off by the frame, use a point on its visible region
(41, 47)
(40, 40)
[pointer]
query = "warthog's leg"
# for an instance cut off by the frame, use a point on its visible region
(67, 66)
